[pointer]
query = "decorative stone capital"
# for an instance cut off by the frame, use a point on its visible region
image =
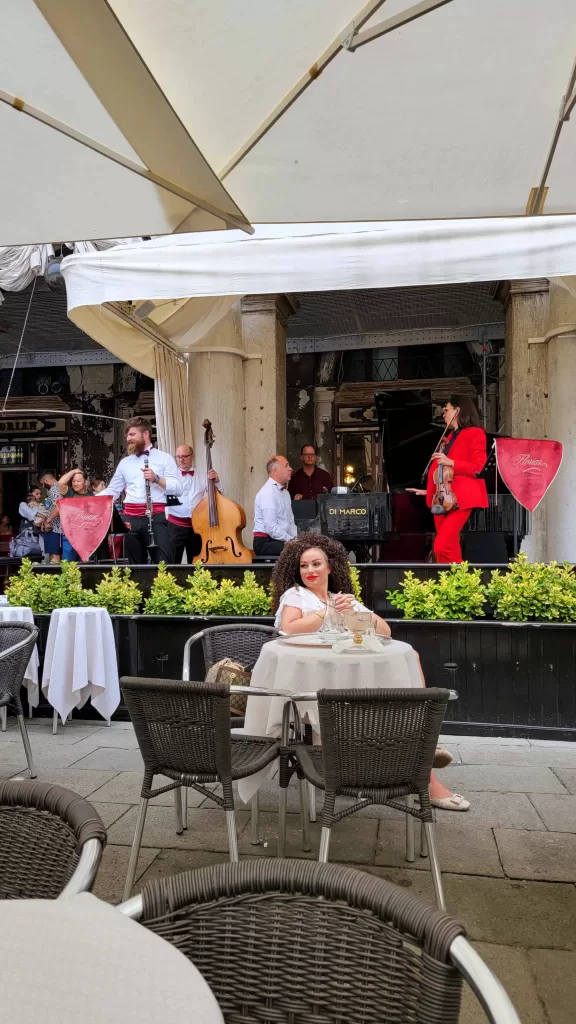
(282, 306)
(529, 286)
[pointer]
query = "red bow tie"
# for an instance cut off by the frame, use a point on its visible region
(187, 472)
(147, 452)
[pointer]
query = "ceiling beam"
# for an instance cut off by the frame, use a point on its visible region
(396, 339)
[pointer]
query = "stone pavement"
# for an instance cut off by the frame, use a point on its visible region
(509, 864)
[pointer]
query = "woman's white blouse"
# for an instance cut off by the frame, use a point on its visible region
(301, 597)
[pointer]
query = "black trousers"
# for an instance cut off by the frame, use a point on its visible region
(183, 539)
(138, 536)
(267, 546)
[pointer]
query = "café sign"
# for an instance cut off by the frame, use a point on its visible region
(33, 426)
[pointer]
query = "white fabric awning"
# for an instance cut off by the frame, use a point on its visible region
(91, 146)
(172, 291)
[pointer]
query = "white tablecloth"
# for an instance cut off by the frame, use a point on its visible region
(80, 661)
(313, 668)
(12, 613)
(94, 965)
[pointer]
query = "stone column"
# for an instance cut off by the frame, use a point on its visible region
(264, 337)
(324, 427)
(561, 499)
(216, 389)
(527, 382)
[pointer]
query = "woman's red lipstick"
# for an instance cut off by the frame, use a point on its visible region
(312, 576)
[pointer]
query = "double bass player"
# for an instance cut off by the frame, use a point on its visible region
(463, 452)
(194, 488)
(147, 475)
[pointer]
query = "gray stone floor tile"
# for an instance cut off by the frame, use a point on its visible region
(461, 850)
(558, 812)
(546, 856)
(82, 782)
(56, 755)
(110, 812)
(493, 810)
(555, 973)
(567, 777)
(551, 743)
(113, 757)
(41, 730)
(497, 741)
(174, 862)
(500, 779)
(127, 786)
(550, 757)
(206, 829)
(353, 839)
(513, 969)
(124, 738)
(109, 884)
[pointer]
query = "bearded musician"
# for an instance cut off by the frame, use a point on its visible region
(463, 449)
(131, 476)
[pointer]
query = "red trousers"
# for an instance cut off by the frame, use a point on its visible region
(447, 539)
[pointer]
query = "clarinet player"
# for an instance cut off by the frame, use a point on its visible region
(147, 475)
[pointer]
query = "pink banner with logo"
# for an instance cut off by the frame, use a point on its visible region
(528, 467)
(86, 521)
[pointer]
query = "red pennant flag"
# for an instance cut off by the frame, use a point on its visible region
(528, 467)
(86, 521)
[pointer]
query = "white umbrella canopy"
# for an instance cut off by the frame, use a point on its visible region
(449, 115)
(91, 146)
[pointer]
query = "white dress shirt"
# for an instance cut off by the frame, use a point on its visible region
(194, 488)
(273, 512)
(129, 477)
(26, 512)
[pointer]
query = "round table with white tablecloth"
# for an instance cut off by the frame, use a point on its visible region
(15, 613)
(304, 669)
(94, 964)
(80, 662)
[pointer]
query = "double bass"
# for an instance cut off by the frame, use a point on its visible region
(219, 521)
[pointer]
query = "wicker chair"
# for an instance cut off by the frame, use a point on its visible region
(241, 642)
(284, 942)
(183, 731)
(378, 746)
(51, 841)
(17, 641)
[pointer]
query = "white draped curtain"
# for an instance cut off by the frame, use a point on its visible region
(173, 421)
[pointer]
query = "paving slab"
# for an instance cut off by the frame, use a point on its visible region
(551, 757)
(498, 779)
(124, 738)
(126, 787)
(82, 782)
(461, 850)
(206, 829)
(49, 754)
(353, 839)
(174, 862)
(514, 970)
(555, 973)
(547, 856)
(452, 740)
(551, 743)
(73, 733)
(567, 777)
(494, 810)
(111, 757)
(558, 812)
(110, 812)
(109, 884)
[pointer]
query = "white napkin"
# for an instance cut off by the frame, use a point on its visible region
(370, 645)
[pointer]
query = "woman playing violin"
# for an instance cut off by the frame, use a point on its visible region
(463, 453)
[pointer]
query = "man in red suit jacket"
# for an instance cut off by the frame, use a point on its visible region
(464, 449)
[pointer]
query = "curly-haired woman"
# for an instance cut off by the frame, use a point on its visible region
(311, 569)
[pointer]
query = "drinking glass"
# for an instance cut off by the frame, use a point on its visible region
(358, 622)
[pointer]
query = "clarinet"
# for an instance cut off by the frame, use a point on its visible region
(151, 541)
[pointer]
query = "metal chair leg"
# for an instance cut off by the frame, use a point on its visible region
(255, 819)
(435, 866)
(282, 805)
(409, 831)
(312, 801)
(423, 841)
(136, 843)
(232, 837)
(54, 722)
(4, 716)
(27, 747)
(304, 816)
(178, 811)
(185, 807)
(324, 845)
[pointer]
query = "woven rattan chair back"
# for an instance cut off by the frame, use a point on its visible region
(42, 831)
(242, 643)
(380, 739)
(288, 942)
(181, 727)
(13, 666)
